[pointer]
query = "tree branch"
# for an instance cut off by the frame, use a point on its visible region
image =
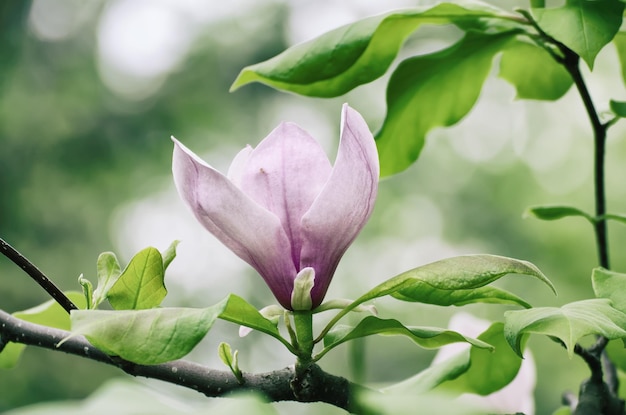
(39, 277)
(280, 385)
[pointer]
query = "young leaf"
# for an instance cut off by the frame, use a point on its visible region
(146, 337)
(610, 284)
(427, 337)
(49, 314)
(430, 91)
(533, 72)
(568, 323)
(556, 212)
(583, 26)
(108, 272)
(355, 54)
(141, 285)
(425, 293)
(87, 290)
(238, 311)
(229, 359)
(169, 254)
(489, 371)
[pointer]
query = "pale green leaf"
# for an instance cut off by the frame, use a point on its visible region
(429, 91)
(582, 25)
(533, 72)
(568, 323)
(355, 54)
(108, 272)
(610, 284)
(554, 212)
(146, 336)
(238, 311)
(427, 337)
(141, 285)
(169, 254)
(49, 314)
(489, 371)
(423, 292)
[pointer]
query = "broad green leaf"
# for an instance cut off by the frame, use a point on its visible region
(489, 371)
(141, 285)
(584, 26)
(434, 375)
(568, 323)
(422, 292)
(555, 212)
(435, 90)
(533, 72)
(427, 337)
(108, 272)
(146, 337)
(620, 45)
(169, 254)
(610, 284)
(456, 273)
(49, 314)
(338, 61)
(618, 108)
(238, 311)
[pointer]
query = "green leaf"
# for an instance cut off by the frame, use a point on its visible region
(489, 371)
(555, 212)
(49, 314)
(338, 61)
(620, 45)
(584, 26)
(429, 91)
(618, 108)
(610, 284)
(169, 254)
(457, 273)
(238, 311)
(87, 290)
(568, 323)
(427, 337)
(225, 353)
(146, 337)
(141, 285)
(434, 375)
(617, 353)
(533, 72)
(424, 293)
(108, 272)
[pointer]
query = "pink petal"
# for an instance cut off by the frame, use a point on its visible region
(245, 227)
(284, 174)
(344, 205)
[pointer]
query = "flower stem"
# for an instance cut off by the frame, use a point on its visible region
(303, 322)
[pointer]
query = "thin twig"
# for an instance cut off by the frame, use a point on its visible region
(34, 272)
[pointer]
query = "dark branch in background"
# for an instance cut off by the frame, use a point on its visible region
(34, 272)
(280, 385)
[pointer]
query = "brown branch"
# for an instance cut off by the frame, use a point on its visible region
(280, 385)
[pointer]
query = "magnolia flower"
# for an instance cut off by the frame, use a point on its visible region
(283, 208)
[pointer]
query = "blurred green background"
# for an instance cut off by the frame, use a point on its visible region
(90, 93)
